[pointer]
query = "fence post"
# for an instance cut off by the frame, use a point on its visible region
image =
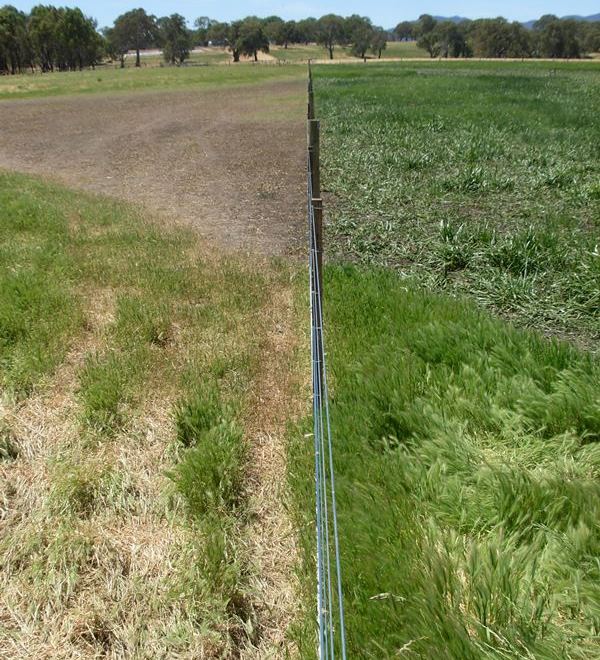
(311, 94)
(317, 204)
(314, 151)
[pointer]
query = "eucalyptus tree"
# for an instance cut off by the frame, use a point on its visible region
(360, 33)
(379, 41)
(175, 38)
(252, 38)
(331, 32)
(15, 48)
(137, 30)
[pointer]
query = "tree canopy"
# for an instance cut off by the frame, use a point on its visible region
(174, 38)
(59, 38)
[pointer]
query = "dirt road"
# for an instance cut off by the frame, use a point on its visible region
(229, 162)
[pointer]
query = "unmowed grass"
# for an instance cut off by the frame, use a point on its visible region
(480, 179)
(118, 321)
(467, 458)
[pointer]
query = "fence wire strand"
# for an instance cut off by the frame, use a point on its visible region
(330, 601)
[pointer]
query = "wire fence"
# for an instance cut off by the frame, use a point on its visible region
(330, 600)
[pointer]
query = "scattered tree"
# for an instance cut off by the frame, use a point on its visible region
(138, 30)
(359, 32)
(175, 38)
(15, 47)
(331, 32)
(557, 38)
(203, 25)
(51, 38)
(219, 33)
(379, 41)
(405, 31)
(252, 38)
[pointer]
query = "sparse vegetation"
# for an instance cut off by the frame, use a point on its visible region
(128, 354)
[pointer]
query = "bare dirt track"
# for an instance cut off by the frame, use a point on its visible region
(230, 162)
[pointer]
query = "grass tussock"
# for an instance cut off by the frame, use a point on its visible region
(127, 355)
(467, 462)
(477, 179)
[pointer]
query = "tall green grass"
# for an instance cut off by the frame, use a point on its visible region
(478, 179)
(467, 458)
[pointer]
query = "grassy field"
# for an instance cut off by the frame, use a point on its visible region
(479, 179)
(467, 457)
(408, 49)
(130, 358)
(205, 57)
(467, 450)
(136, 361)
(108, 79)
(303, 53)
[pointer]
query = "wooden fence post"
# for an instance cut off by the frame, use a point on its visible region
(311, 94)
(317, 204)
(314, 151)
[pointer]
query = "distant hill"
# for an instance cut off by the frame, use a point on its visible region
(591, 18)
(527, 24)
(452, 19)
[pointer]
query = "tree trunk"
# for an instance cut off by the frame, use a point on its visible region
(330, 52)
(255, 56)
(236, 55)
(137, 57)
(122, 61)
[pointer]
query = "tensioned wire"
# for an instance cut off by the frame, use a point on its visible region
(330, 612)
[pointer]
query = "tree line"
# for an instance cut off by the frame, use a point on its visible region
(60, 38)
(549, 37)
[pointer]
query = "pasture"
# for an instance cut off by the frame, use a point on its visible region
(156, 466)
(466, 449)
(476, 179)
(108, 79)
(147, 337)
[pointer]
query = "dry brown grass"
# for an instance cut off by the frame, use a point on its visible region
(94, 540)
(91, 543)
(270, 536)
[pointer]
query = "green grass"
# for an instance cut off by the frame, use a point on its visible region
(407, 49)
(478, 179)
(37, 307)
(108, 79)
(467, 458)
(303, 53)
(144, 346)
(206, 57)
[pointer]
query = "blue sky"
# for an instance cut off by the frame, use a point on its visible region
(384, 12)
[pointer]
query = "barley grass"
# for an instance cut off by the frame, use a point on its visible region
(467, 463)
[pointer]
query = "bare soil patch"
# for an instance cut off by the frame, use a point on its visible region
(230, 161)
